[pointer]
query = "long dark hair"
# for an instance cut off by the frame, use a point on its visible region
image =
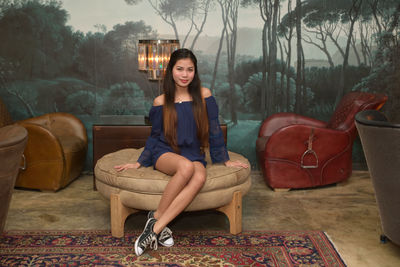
(199, 109)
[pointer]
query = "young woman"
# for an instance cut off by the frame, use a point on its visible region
(184, 122)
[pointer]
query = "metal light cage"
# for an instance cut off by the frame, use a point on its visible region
(153, 56)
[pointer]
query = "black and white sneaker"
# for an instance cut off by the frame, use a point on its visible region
(165, 237)
(147, 238)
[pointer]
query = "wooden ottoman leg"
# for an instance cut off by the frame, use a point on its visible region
(281, 189)
(234, 213)
(119, 213)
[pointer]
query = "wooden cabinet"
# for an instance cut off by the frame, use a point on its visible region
(111, 138)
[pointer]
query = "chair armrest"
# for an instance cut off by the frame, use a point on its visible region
(44, 157)
(283, 119)
(42, 144)
(291, 142)
(61, 124)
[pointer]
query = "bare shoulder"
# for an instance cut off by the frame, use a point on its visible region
(205, 92)
(159, 100)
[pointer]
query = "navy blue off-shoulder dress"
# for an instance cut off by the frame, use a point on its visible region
(188, 143)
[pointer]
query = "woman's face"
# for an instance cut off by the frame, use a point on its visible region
(183, 72)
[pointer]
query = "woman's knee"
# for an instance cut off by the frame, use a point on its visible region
(186, 168)
(199, 178)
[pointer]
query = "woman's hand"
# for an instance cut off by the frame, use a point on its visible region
(122, 167)
(236, 164)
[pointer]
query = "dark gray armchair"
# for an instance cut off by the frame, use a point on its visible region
(13, 139)
(380, 140)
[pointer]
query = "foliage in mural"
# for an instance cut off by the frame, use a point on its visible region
(47, 66)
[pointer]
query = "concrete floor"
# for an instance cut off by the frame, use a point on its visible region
(346, 212)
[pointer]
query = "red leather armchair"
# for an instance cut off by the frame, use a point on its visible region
(295, 151)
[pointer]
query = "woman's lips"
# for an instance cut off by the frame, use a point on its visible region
(184, 81)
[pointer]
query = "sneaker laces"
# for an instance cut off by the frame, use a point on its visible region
(165, 233)
(150, 240)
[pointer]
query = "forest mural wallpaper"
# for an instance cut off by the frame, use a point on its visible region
(258, 57)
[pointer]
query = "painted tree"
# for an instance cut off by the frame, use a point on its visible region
(124, 99)
(321, 24)
(299, 50)
(375, 18)
(8, 83)
(353, 14)
(106, 58)
(231, 11)
(122, 41)
(319, 37)
(272, 87)
(39, 45)
(288, 34)
(381, 11)
(35, 33)
(327, 20)
(385, 73)
(269, 12)
(4, 5)
(171, 11)
(201, 11)
(265, 13)
(357, 22)
(221, 41)
(366, 41)
(282, 70)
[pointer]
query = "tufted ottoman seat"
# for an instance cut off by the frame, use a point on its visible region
(141, 189)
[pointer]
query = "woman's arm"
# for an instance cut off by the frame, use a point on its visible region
(156, 119)
(145, 158)
(218, 150)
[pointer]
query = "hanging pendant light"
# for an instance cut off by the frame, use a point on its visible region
(153, 56)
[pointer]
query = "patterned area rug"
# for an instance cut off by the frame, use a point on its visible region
(99, 248)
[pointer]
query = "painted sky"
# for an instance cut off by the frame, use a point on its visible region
(85, 14)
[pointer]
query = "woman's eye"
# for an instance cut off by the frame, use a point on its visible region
(182, 69)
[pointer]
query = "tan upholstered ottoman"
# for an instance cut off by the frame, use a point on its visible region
(141, 189)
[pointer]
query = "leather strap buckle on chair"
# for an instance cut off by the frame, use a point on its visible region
(309, 151)
(23, 167)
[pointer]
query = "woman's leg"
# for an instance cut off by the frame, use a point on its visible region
(187, 179)
(183, 195)
(181, 170)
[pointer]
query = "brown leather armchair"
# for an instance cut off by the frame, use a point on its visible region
(295, 151)
(55, 153)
